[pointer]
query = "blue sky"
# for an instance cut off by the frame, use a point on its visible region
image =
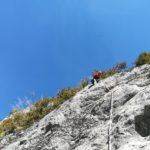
(46, 45)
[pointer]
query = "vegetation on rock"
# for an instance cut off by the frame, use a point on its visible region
(144, 58)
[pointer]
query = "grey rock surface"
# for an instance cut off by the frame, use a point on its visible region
(112, 115)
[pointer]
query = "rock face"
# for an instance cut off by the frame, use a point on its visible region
(112, 115)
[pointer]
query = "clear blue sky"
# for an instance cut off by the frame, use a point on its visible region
(46, 45)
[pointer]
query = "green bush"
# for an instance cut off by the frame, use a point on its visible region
(32, 116)
(42, 103)
(37, 111)
(115, 69)
(119, 67)
(14, 110)
(143, 58)
(20, 120)
(106, 74)
(55, 102)
(66, 94)
(7, 126)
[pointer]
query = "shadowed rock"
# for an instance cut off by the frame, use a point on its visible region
(142, 122)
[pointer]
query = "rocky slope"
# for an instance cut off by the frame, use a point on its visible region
(112, 115)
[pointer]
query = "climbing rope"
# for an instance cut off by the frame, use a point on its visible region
(110, 122)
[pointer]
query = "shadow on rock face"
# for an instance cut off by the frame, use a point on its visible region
(142, 122)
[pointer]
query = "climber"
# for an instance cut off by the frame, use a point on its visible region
(96, 76)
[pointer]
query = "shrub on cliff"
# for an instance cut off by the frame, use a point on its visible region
(68, 93)
(7, 126)
(143, 58)
(115, 69)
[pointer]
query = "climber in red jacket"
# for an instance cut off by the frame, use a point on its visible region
(96, 77)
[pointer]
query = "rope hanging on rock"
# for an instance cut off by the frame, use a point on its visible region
(110, 120)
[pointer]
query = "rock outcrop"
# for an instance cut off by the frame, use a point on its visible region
(112, 115)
